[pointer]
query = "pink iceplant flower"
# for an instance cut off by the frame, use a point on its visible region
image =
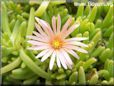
(54, 42)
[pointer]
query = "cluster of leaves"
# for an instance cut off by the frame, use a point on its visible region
(19, 65)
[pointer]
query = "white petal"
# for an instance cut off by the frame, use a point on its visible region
(37, 38)
(37, 19)
(58, 61)
(76, 48)
(40, 35)
(40, 30)
(67, 57)
(42, 53)
(50, 29)
(38, 47)
(43, 25)
(62, 60)
(37, 34)
(51, 64)
(46, 27)
(77, 43)
(47, 55)
(69, 64)
(72, 53)
(36, 42)
(76, 39)
(80, 50)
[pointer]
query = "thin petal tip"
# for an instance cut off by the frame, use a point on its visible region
(37, 56)
(77, 24)
(42, 60)
(37, 19)
(86, 51)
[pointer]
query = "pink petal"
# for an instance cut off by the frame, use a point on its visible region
(38, 47)
(54, 24)
(65, 26)
(42, 53)
(72, 53)
(58, 60)
(76, 48)
(47, 55)
(71, 29)
(51, 64)
(77, 43)
(58, 24)
(62, 60)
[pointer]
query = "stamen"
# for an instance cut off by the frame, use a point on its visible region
(56, 43)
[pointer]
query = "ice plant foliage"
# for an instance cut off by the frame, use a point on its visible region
(54, 42)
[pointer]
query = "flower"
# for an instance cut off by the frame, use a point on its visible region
(54, 42)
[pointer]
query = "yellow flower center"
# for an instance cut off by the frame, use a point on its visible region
(56, 44)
